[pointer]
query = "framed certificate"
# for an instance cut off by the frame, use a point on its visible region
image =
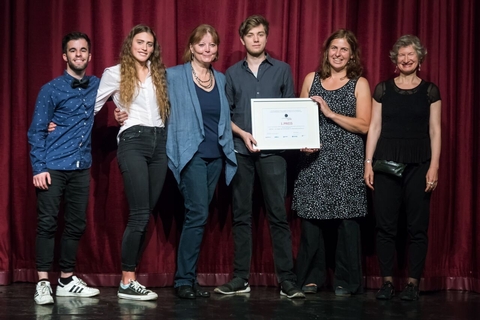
(279, 124)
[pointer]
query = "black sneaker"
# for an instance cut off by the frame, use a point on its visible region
(386, 292)
(310, 289)
(136, 291)
(410, 293)
(236, 285)
(290, 290)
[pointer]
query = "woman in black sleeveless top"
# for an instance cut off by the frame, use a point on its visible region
(405, 129)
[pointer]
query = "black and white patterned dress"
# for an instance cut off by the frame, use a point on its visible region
(330, 182)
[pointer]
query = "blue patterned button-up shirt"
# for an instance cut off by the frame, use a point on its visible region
(68, 147)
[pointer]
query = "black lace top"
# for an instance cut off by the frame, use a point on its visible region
(405, 121)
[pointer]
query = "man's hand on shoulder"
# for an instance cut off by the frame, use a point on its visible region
(42, 180)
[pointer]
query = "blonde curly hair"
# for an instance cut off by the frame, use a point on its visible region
(129, 81)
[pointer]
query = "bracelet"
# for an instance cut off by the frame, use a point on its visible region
(368, 160)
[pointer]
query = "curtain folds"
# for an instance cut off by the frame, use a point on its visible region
(31, 56)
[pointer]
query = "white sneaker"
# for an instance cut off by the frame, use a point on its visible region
(76, 288)
(43, 293)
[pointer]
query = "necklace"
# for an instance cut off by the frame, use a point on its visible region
(208, 82)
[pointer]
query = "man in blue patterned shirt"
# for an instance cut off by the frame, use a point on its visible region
(60, 162)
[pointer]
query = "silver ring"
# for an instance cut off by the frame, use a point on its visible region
(430, 183)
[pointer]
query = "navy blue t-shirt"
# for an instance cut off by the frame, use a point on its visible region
(210, 105)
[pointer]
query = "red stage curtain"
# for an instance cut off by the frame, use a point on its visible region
(31, 56)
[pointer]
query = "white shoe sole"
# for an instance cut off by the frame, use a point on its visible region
(138, 298)
(298, 295)
(217, 290)
(81, 294)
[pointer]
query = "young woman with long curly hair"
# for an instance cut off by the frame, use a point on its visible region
(138, 86)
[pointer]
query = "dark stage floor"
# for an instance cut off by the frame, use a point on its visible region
(16, 302)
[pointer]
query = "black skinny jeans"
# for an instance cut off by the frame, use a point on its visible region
(143, 162)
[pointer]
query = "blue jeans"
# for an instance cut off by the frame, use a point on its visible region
(197, 185)
(74, 186)
(142, 160)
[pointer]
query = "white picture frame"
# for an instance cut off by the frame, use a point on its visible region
(285, 123)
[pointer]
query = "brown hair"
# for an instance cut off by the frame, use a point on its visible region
(252, 22)
(354, 65)
(196, 36)
(129, 82)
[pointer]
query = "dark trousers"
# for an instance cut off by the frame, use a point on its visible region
(74, 187)
(198, 181)
(310, 264)
(389, 195)
(142, 160)
(271, 171)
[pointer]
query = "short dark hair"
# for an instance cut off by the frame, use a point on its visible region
(74, 36)
(252, 22)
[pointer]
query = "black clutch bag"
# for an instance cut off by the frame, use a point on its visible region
(389, 167)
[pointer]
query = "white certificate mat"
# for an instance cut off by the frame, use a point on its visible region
(279, 124)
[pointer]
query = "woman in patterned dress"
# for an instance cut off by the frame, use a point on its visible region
(330, 182)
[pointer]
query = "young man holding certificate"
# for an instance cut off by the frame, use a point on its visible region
(258, 76)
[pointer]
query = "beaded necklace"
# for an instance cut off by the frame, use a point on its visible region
(208, 82)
